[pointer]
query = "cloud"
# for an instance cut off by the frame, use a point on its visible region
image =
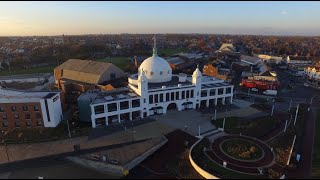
(284, 12)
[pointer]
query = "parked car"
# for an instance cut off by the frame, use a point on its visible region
(306, 84)
(254, 89)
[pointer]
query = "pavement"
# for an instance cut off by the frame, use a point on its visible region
(27, 151)
(188, 118)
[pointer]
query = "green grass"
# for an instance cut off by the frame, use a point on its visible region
(121, 62)
(255, 127)
(170, 51)
(316, 150)
(47, 69)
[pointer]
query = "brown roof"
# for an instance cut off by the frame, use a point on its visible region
(86, 66)
(88, 71)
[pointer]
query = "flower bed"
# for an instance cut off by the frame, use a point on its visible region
(241, 149)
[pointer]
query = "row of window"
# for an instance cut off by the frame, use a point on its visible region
(152, 73)
(113, 106)
(24, 108)
(16, 116)
(212, 92)
(17, 123)
(171, 96)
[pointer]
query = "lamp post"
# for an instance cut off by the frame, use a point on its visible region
(272, 107)
(215, 114)
(68, 128)
(248, 92)
(295, 119)
(290, 105)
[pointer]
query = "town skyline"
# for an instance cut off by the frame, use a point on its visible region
(83, 18)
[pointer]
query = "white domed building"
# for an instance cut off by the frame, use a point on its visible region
(155, 90)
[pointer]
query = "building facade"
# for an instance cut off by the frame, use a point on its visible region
(155, 90)
(312, 75)
(20, 109)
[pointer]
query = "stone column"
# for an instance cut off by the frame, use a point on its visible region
(106, 118)
(207, 103)
(118, 118)
(216, 101)
(93, 119)
(130, 116)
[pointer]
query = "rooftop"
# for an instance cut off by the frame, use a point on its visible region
(109, 96)
(15, 96)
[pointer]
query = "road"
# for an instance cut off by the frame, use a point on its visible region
(305, 165)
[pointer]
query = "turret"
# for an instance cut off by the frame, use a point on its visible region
(142, 83)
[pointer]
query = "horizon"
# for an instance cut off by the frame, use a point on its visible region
(52, 18)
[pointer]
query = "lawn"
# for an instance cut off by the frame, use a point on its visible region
(171, 51)
(43, 134)
(255, 127)
(121, 61)
(316, 151)
(47, 69)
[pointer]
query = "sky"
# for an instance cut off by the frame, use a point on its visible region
(105, 17)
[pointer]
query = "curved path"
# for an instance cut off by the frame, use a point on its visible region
(250, 167)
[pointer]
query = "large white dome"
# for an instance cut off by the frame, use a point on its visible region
(156, 69)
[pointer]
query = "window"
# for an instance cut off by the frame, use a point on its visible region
(156, 98)
(112, 107)
(39, 122)
(99, 109)
(13, 108)
(25, 108)
(16, 116)
(172, 96)
(191, 95)
(4, 116)
(1, 109)
(204, 93)
(124, 105)
(161, 97)
(168, 71)
(27, 116)
(4, 123)
(167, 97)
(187, 93)
(36, 108)
(220, 91)
(161, 73)
(17, 123)
(151, 99)
(177, 95)
(151, 73)
(38, 115)
(183, 95)
(28, 123)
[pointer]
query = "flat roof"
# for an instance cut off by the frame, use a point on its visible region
(174, 82)
(16, 96)
(103, 97)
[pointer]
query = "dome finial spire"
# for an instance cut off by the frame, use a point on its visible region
(154, 46)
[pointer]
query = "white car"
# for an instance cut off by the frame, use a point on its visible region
(306, 84)
(254, 89)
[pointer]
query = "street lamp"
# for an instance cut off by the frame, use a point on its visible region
(272, 107)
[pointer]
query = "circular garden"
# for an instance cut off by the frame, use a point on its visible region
(242, 149)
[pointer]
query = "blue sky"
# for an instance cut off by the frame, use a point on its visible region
(87, 17)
